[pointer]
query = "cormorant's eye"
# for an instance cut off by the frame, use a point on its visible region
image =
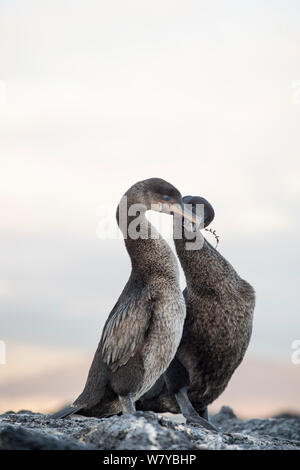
(166, 198)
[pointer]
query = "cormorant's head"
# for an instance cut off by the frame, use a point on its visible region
(209, 213)
(159, 195)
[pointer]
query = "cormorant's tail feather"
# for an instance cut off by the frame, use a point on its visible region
(67, 411)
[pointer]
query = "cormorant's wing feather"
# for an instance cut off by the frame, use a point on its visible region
(126, 327)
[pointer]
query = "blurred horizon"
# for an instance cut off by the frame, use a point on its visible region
(95, 97)
(55, 377)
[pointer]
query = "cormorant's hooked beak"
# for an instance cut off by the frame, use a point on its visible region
(186, 214)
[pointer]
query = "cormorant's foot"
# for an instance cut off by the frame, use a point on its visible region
(189, 412)
(201, 422)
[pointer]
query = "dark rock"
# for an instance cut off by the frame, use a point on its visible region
(18, 438)
(287, 416)
(225, 415)
(27, 430)
(277, 427)
(25, 412)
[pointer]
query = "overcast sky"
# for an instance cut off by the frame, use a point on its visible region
(97, 95)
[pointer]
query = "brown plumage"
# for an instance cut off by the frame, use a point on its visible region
(216, 333)
(143, 331)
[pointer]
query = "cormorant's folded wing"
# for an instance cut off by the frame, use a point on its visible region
(126, 327)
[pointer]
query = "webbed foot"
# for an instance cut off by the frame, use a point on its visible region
(189, 412)
(198, 421)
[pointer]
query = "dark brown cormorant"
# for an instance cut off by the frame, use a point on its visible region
(143, 331)
(216, 332)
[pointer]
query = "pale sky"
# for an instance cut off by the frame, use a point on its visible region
(102, 94)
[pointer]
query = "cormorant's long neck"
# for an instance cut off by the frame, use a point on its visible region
(191, 258)
(204, 266)
(151, 256)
